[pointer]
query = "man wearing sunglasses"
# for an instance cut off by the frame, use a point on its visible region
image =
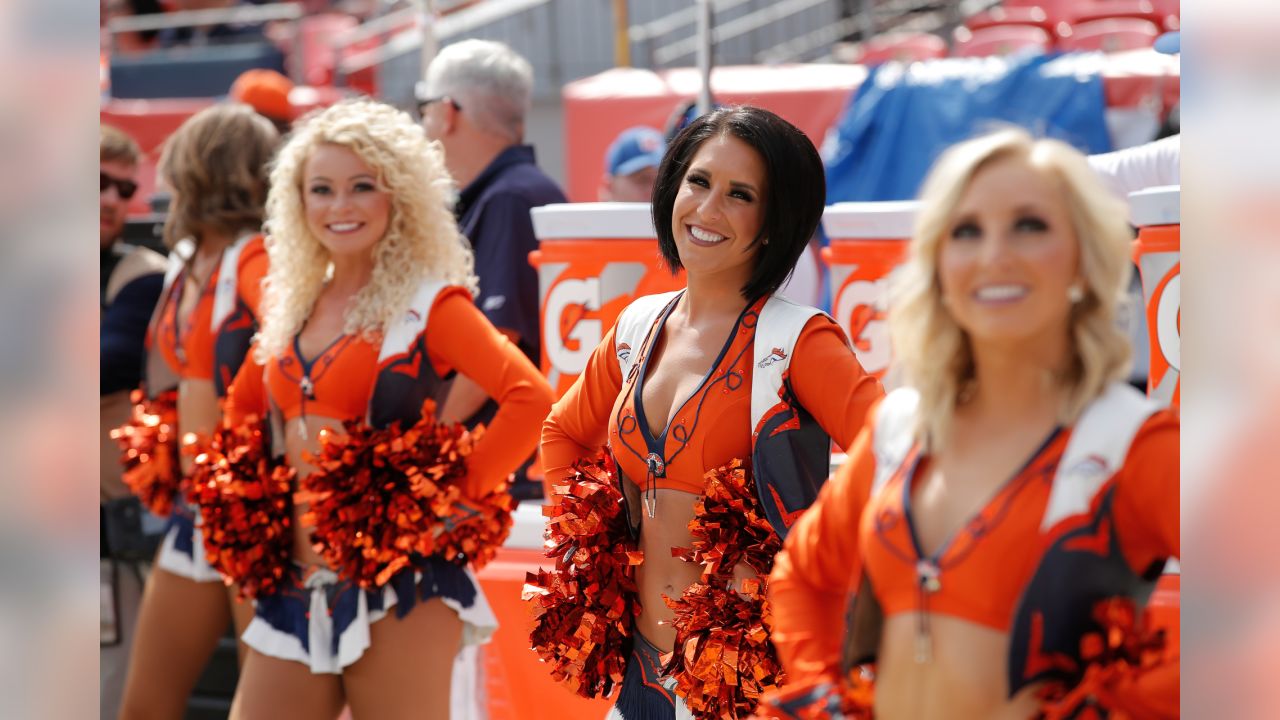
(474, 100)
(132, 278)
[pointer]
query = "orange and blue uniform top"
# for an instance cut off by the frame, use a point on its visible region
(1097, 503)
(211, 343)
(808, 387)
(355, 378)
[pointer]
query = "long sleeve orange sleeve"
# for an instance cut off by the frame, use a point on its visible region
(1146, 509)
(579, 423)
(1147, 500)
(250, 273)
(247, 395)
(461, 338)
(816, 573)
(830, 382)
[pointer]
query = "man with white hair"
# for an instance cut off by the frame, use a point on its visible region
(474, 101)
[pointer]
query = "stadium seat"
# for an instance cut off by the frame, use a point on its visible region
(1170, 10)
(1055, 10)
(1030, 15)
(1083, 12)
(903, 47)
(1110, 35)
(999, 40)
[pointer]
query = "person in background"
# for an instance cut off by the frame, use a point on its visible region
(631, 165)
(1153, 164)
(1013, 497)
(474, 102)
(1140, 167)
(132, 277)
(215, 165)
(267, 92)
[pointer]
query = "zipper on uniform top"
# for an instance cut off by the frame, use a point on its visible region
(306, 386)
(656, 469)
(928, 582)
(929, 569)
(655, 460)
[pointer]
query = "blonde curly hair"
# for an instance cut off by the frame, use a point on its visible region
(422, 241)
(933, 354)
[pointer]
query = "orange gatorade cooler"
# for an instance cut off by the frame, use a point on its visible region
(593, 260)
(1157, 252)
(516, 684)
(868, 239)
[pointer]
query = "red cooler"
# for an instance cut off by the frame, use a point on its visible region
(593, 260)
(1157, 252)
(868, 239)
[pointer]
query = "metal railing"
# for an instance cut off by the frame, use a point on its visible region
(735, 28)
(678, 20)
(245, 14)
(460, 21)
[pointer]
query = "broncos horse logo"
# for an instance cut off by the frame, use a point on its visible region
(776, 356)
(624, 352)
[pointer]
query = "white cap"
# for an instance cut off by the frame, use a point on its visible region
(602, 220)
(871, 220)
(1156, 206)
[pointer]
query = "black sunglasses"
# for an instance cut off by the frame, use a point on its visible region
(424, 103)
(126, 188)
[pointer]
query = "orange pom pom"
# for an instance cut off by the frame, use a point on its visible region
(380, 497)
(724, 662)
(585, 606)
(149, 450)
(1115, 656)
(246, 508)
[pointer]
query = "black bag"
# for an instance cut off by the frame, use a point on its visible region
(129, 532)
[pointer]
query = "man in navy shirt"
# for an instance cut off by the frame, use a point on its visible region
(474, 101)
(131, 282)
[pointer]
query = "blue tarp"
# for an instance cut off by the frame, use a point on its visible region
(902, 117)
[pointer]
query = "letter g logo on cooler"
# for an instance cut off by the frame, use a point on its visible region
(567, 296)
(860, 309)
(1169, 318)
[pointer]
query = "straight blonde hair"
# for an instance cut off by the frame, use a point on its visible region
(933, 353)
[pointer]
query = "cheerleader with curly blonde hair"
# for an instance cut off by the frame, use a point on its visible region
(1012, 505)
(367, 313)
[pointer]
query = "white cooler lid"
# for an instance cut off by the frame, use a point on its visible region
(871, 220)
(601, 220)
(1156, 206)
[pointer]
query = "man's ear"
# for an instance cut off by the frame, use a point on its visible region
(451, 119)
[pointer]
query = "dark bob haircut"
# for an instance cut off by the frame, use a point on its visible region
(795, 188)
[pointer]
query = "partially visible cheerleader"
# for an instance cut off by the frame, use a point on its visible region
(997, 530)
(215, 166)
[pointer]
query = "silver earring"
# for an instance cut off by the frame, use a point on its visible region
(1075, 294)
(765, 241)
